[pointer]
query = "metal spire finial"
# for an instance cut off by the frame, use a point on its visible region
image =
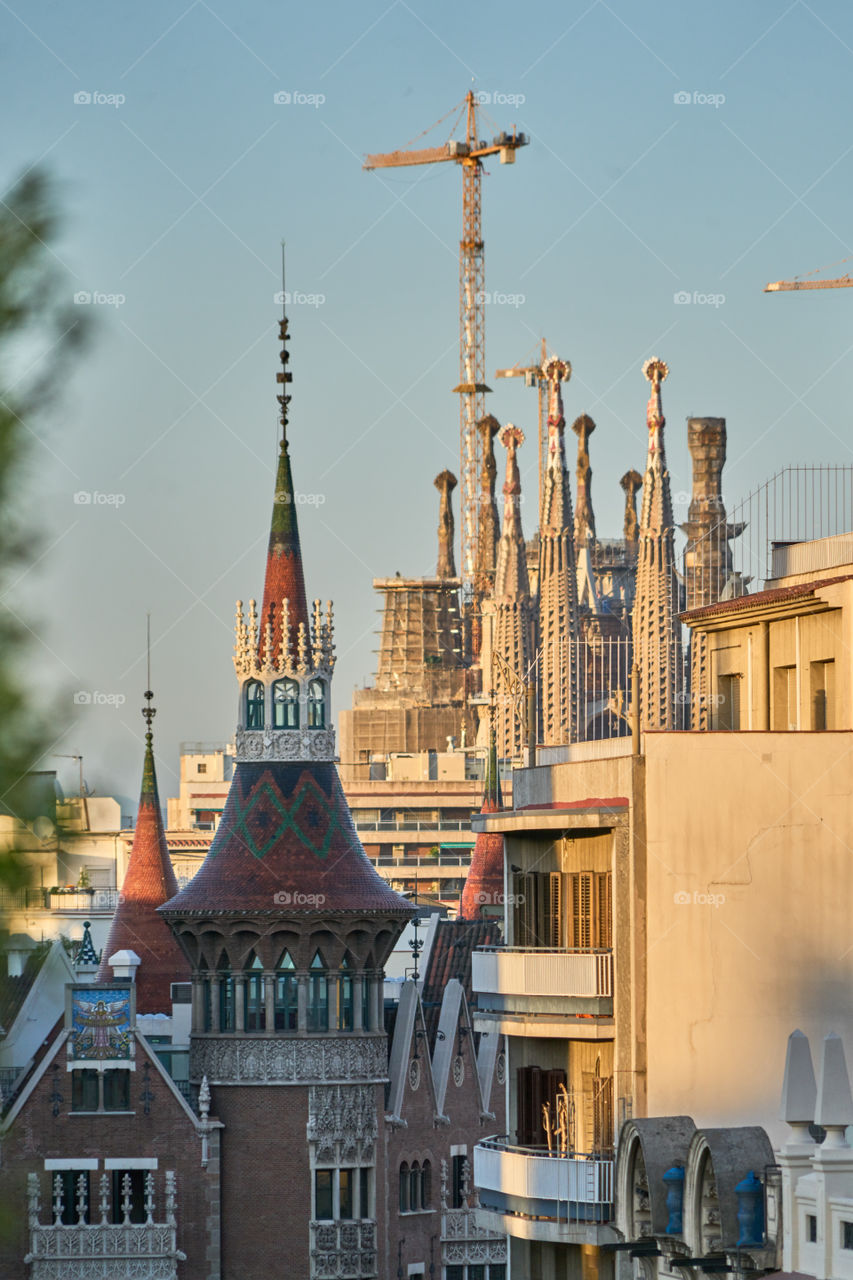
(283, 377)
(149, 711)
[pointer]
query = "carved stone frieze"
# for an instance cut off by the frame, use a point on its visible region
(288, 1060)
(284, 744)
(344, 1249)
(342, 1123)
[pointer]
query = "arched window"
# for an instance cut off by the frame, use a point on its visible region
(426, 1184)
(318, 995)
(285, 704)
(345, 997)
(316, 704)
(256, 1016)
(255, 705)
(404, 1188)
(415, 1187)
(286, 999)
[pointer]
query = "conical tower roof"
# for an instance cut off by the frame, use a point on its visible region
(148, 883)
(484, 884)
(286, 842)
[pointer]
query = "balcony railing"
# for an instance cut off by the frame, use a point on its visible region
(414, 824)
(529, 1182)
(460, 859)
(84, 900)
(519, 971)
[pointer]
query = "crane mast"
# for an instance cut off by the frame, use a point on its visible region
(469, 154)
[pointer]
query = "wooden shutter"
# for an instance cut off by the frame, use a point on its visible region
(604, 910)
(555, 909)
(581, 909)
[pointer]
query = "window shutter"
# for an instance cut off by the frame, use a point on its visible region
(556, 909)
(604, 909)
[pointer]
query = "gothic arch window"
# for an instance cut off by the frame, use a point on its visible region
(285, 704)
(404, 1187)
(316, 704)
(255, 694)
(286, 998)
(256, 1018)
(415, 1187)
(318, 995)
(346, 1004)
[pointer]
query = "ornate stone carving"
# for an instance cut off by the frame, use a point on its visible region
(414, 1075)
(458, 1071)
(342, 1123)
(500, 1068)
(344, 1249)
(285, 744)
(463, 1240)
(288, 1060)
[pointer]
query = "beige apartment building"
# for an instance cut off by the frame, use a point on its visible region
(674, 909)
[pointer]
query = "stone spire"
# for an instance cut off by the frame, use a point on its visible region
(656, 628)
(488, 524)
(445, 483)
(513, 634)
(631, 483)
(583, 428)
(559, 699)
(483, 892)
(708, 562)
(148, 883)
(284, 579)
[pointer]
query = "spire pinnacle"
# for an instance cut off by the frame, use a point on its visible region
(445, 483)
(655, 372)
(583, 428)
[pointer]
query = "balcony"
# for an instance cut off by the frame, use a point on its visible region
(519, 981)
(544, 1197)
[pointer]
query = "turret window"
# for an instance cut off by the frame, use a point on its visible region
(255, 1007)
(286, 998)
(255, 705)
(316, 704)
(318, 995)
(227, 1014)
(285, 704)
(346, 1004)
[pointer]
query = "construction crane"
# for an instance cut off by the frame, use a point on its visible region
(785, 286)
(534, 376)
(469, 153)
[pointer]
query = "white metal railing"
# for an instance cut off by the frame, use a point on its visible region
(413, 824)
(579, 1187)
(518, 971)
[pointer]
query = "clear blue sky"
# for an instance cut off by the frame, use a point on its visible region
(177, 199)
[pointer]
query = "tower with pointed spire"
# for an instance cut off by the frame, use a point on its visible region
(483, 891)
(656, 627)
(513, 610)
(148, 883)
(583, 428)
(287, 927)
(559, 693)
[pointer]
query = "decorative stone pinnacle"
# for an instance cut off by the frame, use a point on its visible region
(445, 482)
(799, 1090)
(655, 371)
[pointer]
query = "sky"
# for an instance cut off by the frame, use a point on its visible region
(677, 150)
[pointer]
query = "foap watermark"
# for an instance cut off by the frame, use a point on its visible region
(95, 698)
(286, 899)
(286, 298)
(83, 98)
(501, 299)
(296, 98)
(484, 898)
(94, 498)
(300, 499)
(85, 298)
(499, 99)
(697, 899)
(684, 98)
(685, 298)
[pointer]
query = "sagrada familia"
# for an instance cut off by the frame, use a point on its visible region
(543, 650)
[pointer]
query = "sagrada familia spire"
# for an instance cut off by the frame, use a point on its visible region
(559, 694)
(513, 627)
(657, 630)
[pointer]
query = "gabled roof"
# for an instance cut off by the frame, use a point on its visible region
(14, 991)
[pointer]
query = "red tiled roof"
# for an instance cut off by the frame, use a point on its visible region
(14, 991)
(284, 578)
(148, 883)
(776, 595)
(484, 884)
(286, 841)
(450, 957)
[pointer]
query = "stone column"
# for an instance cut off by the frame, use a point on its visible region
(269, 1001)
(198, 1002)
(302, 1003)
(215, 1002)
(239, 1004)
(357, 990)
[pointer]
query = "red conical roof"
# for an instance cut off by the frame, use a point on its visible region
(484, 885)
(148, 883)
(286, 843)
